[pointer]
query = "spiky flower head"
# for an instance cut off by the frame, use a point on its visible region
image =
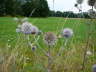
(28, 28)
(35, 30)
(67, 33)
(94, 68)
(50, 38)
(79, 1)
(92, 13)
(91, 2)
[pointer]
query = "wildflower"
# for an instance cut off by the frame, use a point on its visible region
(50, 38)
(94, 68)
(79, 1)
(34, 30)
(89, 53)
(28, 28)
(67, 32)
(34, 48)
(92, 13)
(91, 2)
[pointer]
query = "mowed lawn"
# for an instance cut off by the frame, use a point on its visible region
(79, 26)
(73, 57)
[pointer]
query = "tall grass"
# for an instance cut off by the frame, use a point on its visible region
(17, 56)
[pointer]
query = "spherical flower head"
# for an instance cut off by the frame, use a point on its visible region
(79, 1)
(92, 13)
(94, 68)
(28, 28)
(91, 2)
(50, 38)
(67, 32)
(35, 30)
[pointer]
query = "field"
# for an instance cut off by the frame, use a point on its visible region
(17, 56)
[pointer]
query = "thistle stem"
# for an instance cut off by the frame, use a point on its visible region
(61, 49)
(49, 59)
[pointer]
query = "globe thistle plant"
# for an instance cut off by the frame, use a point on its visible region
(28, 28)
(50, 38)
(67, 33)
(79, 1)
(92, 13)
(35, 30)
(91, 2)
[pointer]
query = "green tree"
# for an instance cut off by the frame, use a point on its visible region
(42, 10)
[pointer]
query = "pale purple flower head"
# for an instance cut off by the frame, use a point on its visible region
(50, 38)
(28, 28)
(35, 30)
(67, 33)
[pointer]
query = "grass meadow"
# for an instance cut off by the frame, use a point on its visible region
(17, 56)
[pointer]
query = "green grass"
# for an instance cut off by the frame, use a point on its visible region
(72, 56)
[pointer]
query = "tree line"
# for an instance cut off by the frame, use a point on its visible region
(33, 8)
(69, 14)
